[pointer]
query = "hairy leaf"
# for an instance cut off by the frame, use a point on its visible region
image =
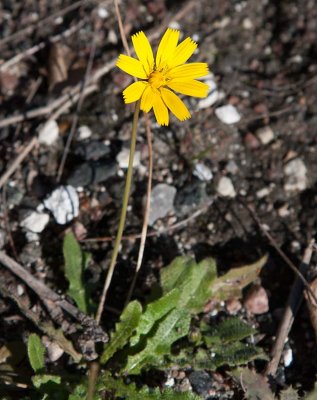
(129, 321)
(155, 311)
(235, 354)
(236, 279)
(229, 330)
(130, 391)
(36, 352)
(172, 327)
(74, 266)
(193, 281)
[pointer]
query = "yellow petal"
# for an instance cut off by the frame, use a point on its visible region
(182, 53)
(143, 50)
(160, 110)
(190, 87)
(134, 92)
(175, 104)
(189, 71)
(131, 66)
(147, 99)
(166, 47)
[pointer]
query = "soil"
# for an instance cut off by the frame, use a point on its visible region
(261, 56)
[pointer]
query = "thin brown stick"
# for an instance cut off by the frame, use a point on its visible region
(7, 224)
(36, 48)
(9, 290)
(121, 29)
(94, 79)
(293, 304)
(27, 149)
(52, 300)
(178, 225)
(279, 251)
(146, 208)
(23, 32)
(34, 141)
(79, 106)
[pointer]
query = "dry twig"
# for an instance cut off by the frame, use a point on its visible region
(293, 304)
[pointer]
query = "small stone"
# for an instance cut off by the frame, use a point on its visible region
(112, 37)
(49, 133)
(123, 158)
(260, 194)
(295, 175)
(232, 167)
(84, 132)
(54, 352)
(162, 200)
(201, 382)
(20, 290)
(93, 150)
(228, 114)
(225, 187)
(213, 95)
(35, 222)
(247, 23)
(63, 203)
(256, 301)
(288, 357)
(103, 13)
(233, 306)
(202, 172)
(91, 173)
(251, 141)
(266, 135)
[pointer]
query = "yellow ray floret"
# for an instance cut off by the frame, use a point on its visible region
(161, 76)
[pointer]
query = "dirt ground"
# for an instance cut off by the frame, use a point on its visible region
(262, 58)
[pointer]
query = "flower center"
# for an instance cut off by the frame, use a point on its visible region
(157, 79)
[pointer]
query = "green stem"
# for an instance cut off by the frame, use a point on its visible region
(125, 201)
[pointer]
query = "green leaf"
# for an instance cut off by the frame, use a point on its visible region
(155, 311)
(36, 352)
(51, 386)
(235, 280)
(235, 354)
(74, 266)
(193, 281)
(129, 320)
(172, 327)
(229, 330)
(119, 389)
(255, 385)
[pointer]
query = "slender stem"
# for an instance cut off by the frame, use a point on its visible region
(146, 209)
(123, 213)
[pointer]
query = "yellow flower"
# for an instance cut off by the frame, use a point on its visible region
(168, 70)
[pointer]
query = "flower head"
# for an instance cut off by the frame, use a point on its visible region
(160, 77)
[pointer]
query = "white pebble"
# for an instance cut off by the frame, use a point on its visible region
(162, 200)
(266, 135)
(63, 203)
(228, 114)
(295, 175)
(123, 158)
(49, 133)
(288, 357)
(202, 172)
(225, 187)
(84, 132)
(103, 13)
(35, 222)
